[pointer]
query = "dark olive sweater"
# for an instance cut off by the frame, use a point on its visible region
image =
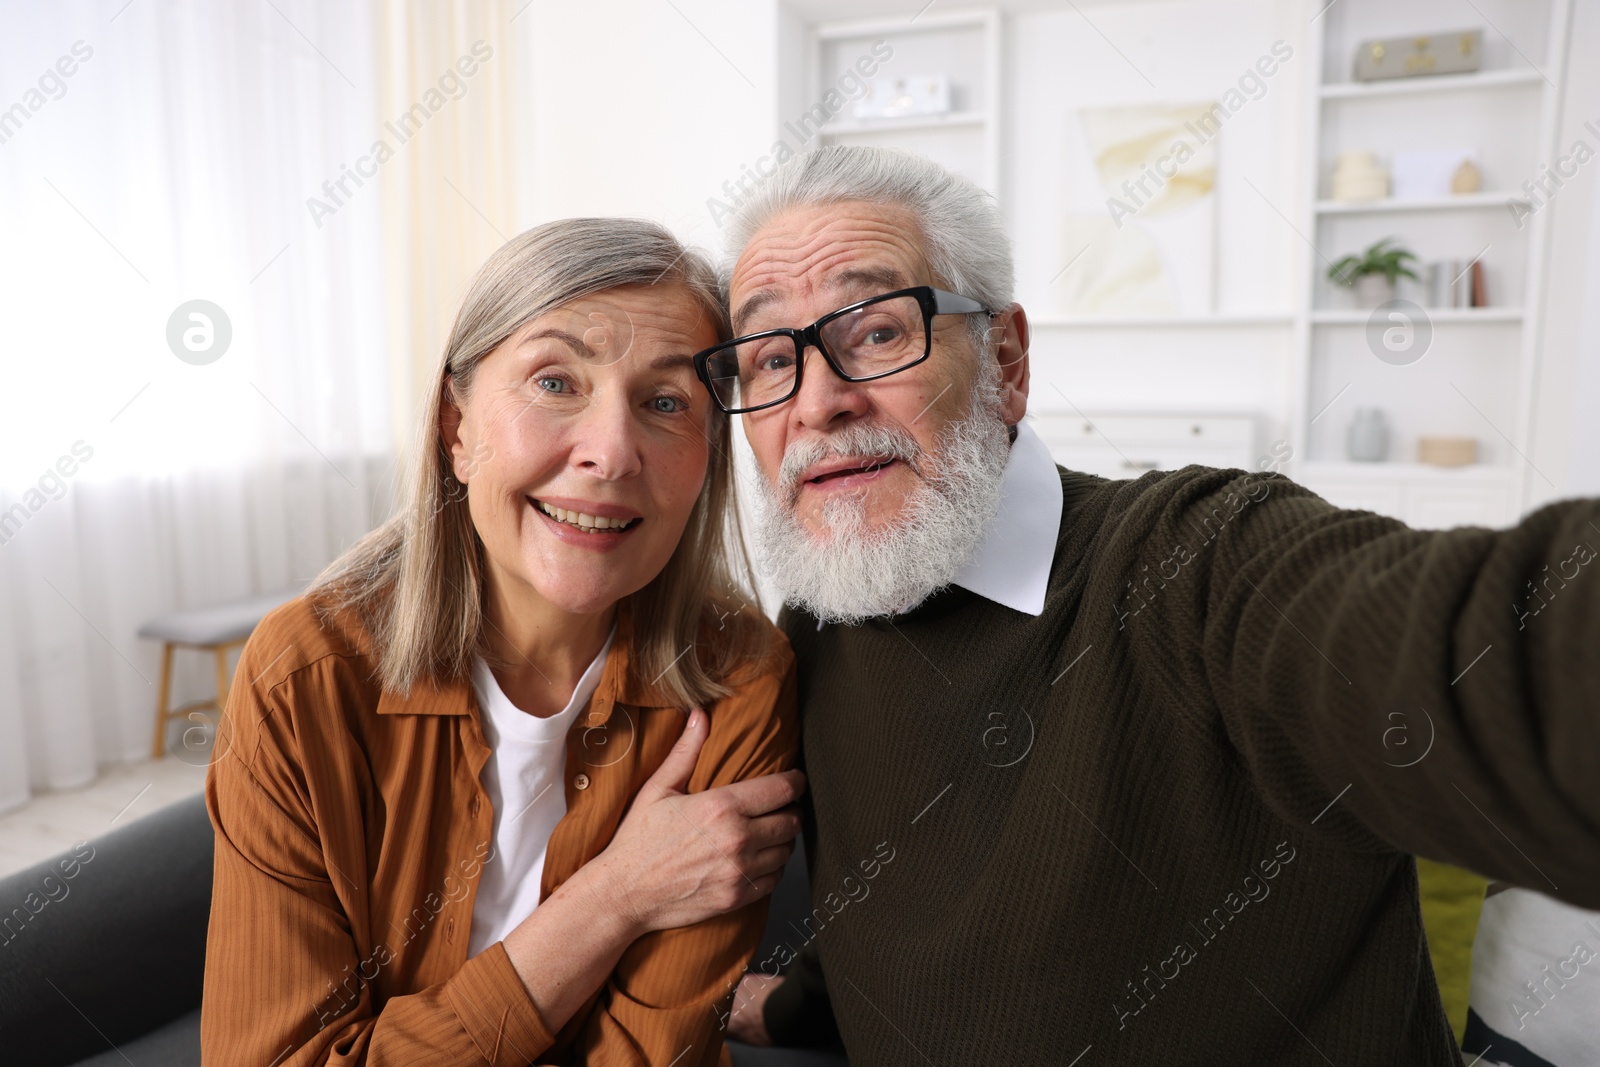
(1171, 819)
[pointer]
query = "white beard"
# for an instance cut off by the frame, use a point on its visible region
(854, 572)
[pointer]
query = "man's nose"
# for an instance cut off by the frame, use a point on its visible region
(826, 400)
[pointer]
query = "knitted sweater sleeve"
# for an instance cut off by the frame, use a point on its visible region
(1436, 692)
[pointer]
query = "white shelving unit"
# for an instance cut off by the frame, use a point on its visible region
(1141, 322)
(963, 45)
(1464, 202)
(1477, 378)
(1487, 79)
(1359, 316)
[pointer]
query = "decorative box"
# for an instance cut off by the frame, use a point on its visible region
(1456, 52)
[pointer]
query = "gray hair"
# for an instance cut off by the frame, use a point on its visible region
(963, 233)
(417, 582)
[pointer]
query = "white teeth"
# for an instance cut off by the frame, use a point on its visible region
(588, 523)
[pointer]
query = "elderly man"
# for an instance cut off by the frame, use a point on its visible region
(1108, 772)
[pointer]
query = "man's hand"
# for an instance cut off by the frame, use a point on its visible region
(745, 1021)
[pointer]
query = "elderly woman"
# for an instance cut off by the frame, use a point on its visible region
(472, 810)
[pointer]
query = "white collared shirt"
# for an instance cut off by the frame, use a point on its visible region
(1012, 563)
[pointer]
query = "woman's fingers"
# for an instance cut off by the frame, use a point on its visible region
(673, 774)
(769, 861)
(680, 857)
(775, 829)
(762, 886)
(758, 796)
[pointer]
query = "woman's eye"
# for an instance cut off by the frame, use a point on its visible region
(668, 405)
(551, 385)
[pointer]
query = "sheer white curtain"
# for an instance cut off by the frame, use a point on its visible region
(174, 163)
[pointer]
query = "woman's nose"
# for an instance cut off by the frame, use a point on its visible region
(606, 439)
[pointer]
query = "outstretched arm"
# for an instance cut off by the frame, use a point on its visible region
(1442, 686)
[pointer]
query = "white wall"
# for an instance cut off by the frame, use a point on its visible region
(642, 107)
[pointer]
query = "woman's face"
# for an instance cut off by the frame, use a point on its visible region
(583, 445)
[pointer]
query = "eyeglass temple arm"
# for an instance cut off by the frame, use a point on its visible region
(951, 304)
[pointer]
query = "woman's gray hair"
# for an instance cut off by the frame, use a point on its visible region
(417, 581)
(963, 233)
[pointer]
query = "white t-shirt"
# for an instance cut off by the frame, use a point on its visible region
(523, 777)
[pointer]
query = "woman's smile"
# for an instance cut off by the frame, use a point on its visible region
(587, 525)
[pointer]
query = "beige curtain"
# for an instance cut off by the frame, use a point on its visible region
(448, 97)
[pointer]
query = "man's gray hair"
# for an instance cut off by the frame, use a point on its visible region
(963, 234)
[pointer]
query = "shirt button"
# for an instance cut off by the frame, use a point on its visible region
(582, 781)
(473, 806)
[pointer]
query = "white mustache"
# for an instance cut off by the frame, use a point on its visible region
(858, 439)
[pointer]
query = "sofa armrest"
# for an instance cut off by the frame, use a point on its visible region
(106, 942)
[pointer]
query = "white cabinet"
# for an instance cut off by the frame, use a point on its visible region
(1125, 446)
(1428, 498)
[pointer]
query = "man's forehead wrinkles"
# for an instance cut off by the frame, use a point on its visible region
(825, 258)
(807, 250)
(826, 228)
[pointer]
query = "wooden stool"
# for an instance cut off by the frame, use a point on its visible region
(218, 630)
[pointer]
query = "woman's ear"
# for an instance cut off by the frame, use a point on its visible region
(450, 428)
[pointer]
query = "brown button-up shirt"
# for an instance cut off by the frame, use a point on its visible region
(351, 828)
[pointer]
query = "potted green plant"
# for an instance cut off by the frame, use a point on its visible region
(1374, 274)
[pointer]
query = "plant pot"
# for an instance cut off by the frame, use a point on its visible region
(1373, 290)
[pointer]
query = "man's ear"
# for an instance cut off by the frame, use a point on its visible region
(450, 429)
(1008, 335)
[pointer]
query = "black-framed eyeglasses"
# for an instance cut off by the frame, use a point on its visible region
(869, 339)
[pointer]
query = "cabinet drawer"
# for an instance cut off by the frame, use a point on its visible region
(1438, 507)
(1125, 446)
(1385, 499)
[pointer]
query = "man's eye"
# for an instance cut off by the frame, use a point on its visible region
(883, 335)
(775, 362)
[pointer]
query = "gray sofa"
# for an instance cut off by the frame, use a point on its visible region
(114, 956)
(103, 965)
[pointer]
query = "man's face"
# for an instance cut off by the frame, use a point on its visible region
(804, 264)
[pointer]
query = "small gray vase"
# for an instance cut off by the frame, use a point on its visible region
(1367, 440)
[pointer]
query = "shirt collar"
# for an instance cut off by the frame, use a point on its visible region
(617, 685)
(1012, 563)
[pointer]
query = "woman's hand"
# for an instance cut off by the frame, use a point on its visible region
(677, 859)
(680, 858)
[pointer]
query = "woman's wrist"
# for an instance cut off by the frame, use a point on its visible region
(606, 896)
(566, 947)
